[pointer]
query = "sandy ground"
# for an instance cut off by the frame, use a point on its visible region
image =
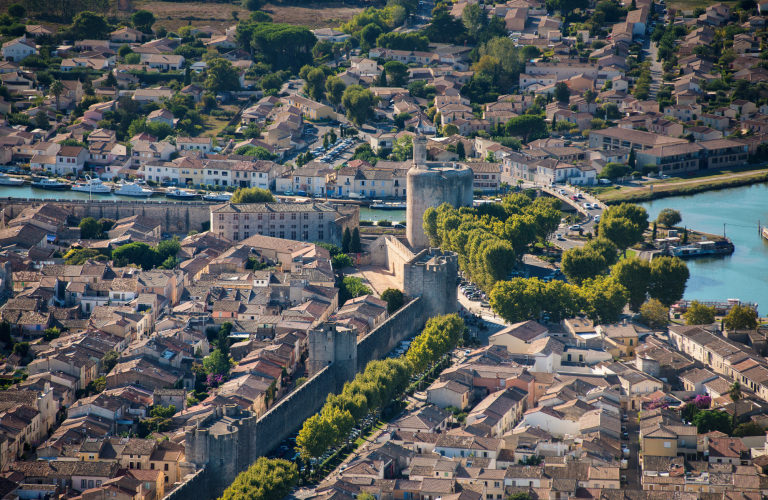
(378, 278)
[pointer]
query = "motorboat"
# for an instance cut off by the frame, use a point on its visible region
(389, 205)
(7, 180)
(221, 197)
(132, 189)
(92, 186)
(50, 184)
(180, 194)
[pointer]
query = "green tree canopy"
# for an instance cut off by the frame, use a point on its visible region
(394, 298)
(221, 76)
(669, 276)
(266, 479)
(741, 317)
(635, 275)
(397, 73)
(89, 25)
(654, 314)
(252, 195)
(359, 103)
(143, 20)
(699, 314)
(334, 89)
(669, 217)
(527, 127)
(90, 229)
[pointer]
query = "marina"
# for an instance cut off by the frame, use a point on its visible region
(734, 213)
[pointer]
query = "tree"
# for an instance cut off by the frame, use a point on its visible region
(253, 5)
(89, 25)
(90, 229)
(395, 299)
(635, 275)
(699, 314)
(562, 92)
(669, 276)
(78, 256)
(51, 333)
(346, 240)
(252, 195)
(397, 73)
(747, 429)
(352, 287)
(341, 260)
(614, 171)
(358, 103)
(280, 45)
(221, 76)
(604, 299)
(354, 245)
(41, 120)
(712, 420)
(270, 83)
(579, 264)
(334, 89)
(21, 349)
(5, 333)
(740, 317)
(734, 391)
(266, 479)
(216, 363)
(460, 151)
(109, 361)
(528, 127)
(654, 314)
(474, 19)
(137, 253)
(16, 10)
(57, 88)
(315, 84)
(143, 20)
(403, 148)
(669, 217)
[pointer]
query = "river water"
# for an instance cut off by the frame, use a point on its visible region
(743, 275)
(737, 211)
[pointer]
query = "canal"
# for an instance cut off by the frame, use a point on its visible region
(735, 211)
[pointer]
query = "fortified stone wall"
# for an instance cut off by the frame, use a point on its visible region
(175, 217)
(398, 327)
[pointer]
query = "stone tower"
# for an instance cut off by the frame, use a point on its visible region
(419, 150)
(431, 185)
(333, 344)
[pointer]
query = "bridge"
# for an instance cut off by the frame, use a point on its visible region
(577, 205)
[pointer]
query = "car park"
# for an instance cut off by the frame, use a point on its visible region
(574, 227)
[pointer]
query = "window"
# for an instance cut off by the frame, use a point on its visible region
(667, 444)
(84, 483)
(166, 467)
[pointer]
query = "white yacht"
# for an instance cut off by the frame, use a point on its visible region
(218, 197)
(7, 180)
(132, 189)
(92, 186)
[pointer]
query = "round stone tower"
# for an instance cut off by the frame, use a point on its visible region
(431, 185)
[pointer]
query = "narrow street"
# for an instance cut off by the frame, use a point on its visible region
(633, 469)
(657, 71)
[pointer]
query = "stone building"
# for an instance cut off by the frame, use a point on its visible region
(431, 185)
(296, 221)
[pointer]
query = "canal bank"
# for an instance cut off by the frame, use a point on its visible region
(682, 188)
(736, 213)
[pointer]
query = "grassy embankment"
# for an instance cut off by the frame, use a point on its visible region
(680, 186)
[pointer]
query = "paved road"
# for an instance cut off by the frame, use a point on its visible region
(656, 70)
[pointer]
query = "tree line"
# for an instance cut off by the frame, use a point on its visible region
(489, 239)
(376, 387)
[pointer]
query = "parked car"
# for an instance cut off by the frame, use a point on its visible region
(574, 227)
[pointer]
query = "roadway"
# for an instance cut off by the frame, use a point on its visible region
(565, 238)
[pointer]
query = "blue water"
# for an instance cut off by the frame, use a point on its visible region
(737, 212)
